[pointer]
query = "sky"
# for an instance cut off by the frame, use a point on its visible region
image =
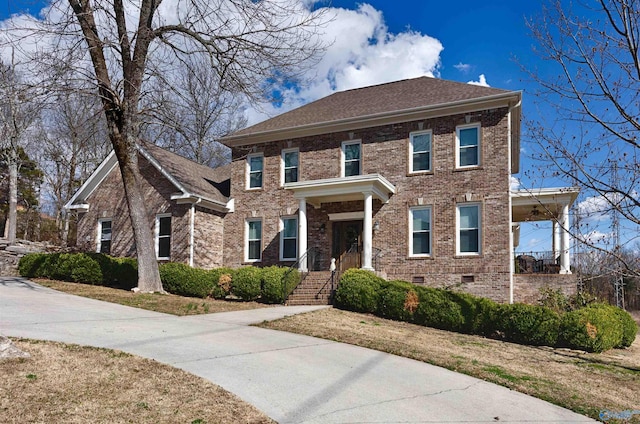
(386, 40)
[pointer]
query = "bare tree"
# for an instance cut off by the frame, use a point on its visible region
(589, 82)
(248, 43)
(17, 114)
(74, 143)
(189, 113)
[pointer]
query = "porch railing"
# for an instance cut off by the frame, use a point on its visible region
(537, 263)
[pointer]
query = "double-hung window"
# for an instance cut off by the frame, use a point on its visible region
(255, 164)
(290, 166)
(468, 145)
(163, 236)
(288, 238)
(420, 152)
(351, 158)
(253, 240)
(469, 223)
(420, 231)
(104, 236)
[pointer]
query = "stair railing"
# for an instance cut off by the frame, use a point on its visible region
(310, 254)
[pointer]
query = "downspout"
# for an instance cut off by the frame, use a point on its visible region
(192, 219)
(512, 268)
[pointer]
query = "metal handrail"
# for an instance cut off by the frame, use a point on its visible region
(310, 253)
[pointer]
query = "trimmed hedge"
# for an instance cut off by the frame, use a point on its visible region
(594, 328)
(278, 283)
(246, 283)
(183, 280)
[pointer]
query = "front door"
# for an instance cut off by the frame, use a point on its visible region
(347, 244)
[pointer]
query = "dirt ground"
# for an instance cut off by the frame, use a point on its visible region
(586, 383)
(73, 384)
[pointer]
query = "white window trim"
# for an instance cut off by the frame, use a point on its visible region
(248, 171)
(157, 236)
(342, 155)
(282, 218)
(282, 164)
(99, 235)
(480, 232)
(420, 255)
(246, 239)
(479, 155)
(411, 152)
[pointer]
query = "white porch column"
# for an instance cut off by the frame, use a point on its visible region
(565, 266)
(367, 232)
(302, 235)
(556, 240)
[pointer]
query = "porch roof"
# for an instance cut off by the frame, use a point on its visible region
(342, 189)
(542, 204)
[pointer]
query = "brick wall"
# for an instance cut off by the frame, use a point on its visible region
(108, 201)
(385, 150)
(526, 287)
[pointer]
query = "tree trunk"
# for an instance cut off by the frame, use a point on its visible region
(12, 219)
(148, 273)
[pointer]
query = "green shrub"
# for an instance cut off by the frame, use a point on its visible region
(82, 269)
(470, 308)
(529, 324)
(246, 283)
(554, 299)
(595, 328)
(437, 310)
(398, 300)
(485, 321)
(30, 264)
(220, 291)
(124, 273)
(183, 280)
(629, 328)
(278, 283)
(358, 291)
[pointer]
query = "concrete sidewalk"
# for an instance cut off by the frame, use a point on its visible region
(292, 378)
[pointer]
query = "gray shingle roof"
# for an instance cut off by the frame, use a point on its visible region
(378, 99)
(201, 180)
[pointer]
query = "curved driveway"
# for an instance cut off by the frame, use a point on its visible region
(292, 378)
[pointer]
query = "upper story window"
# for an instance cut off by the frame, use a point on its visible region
(420, 231)
(253, 240)
(420, 151)
(255, 164)
(351, 158)
(290, 165)
(468, 145)
(104, 236)
(288, 238)
(469, 221)
(163, 236)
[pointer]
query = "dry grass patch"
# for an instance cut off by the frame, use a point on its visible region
(74, 384)
(167, 303)
(583, 382)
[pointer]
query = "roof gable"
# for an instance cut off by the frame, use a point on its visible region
(207, 186)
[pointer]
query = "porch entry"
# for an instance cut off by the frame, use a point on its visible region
(346, 244)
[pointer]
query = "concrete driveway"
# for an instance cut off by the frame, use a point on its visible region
(292, 378)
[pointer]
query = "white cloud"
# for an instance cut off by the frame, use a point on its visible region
(482, 81)
(514, 183)
(595, 208)
(463, 67)
(596, 237)
(362, 52)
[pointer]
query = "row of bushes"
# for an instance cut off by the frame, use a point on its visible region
(89, 268)
(594, 328)
(249, 283)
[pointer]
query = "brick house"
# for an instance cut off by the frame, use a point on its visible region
(186, 204)
(410, 179)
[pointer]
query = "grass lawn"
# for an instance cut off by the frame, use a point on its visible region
(72, 384)
(583, 382)
(167, 303)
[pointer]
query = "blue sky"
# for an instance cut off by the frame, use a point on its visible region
(457, 40)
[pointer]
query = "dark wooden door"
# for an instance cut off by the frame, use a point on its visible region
(347, 244)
